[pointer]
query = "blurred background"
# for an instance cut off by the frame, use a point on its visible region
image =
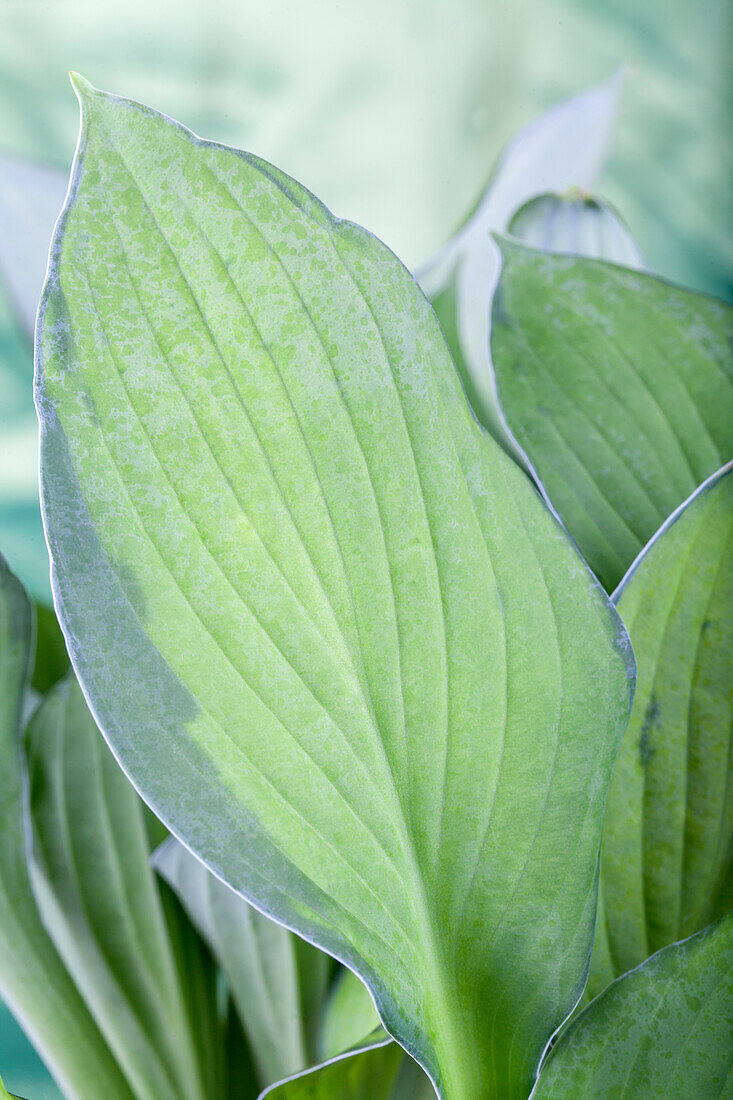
(391, 111)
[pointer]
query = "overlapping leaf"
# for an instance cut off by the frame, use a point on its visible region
(277, 980)
(348, 1017)
(561, 149)
(619, 389)
(33, 980)
(667, 863)
(327, 625)
(132, 954)
(664, 1030)
(381, 1069)
(577, 224)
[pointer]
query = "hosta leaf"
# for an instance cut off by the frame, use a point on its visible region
(381, 1069)
(327, 626)
(33, 980)
(664, 1030)
(561, 149)
(666, 867)
(619, 388)
(131, 952)
(348, 1017)
(278, 982)
(577, 224)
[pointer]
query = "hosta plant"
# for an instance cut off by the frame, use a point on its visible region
(364, 662)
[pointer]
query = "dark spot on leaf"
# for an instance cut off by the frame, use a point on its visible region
(646, 748)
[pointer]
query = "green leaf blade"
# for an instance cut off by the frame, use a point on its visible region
(277, 982)
(668, 832)
(120, 939)
(381, 1069)
(349, 1015)
(662, 1030)
(33, 979)
(261, 479)
(621, 422)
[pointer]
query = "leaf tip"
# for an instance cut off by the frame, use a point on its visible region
(84, 90)
(507, 245)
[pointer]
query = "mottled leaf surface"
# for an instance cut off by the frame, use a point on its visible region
(619, 389)
(328, 627)
(664, 1030)
(278, 981)
(667, 854)
(33, 979)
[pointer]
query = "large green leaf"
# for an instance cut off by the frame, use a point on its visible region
(328, 627)
(577, 224)
(33, 980)
(619, 388)
(278, 981)
(562, 149)
(663, 1031)
(133, 955)
(666, 868)
(374, 1069)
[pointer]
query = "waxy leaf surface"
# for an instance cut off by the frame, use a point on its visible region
(619, 389)
(663, 1031)
(277, 981)
(33, 979)
(329, 628)
(667, 854)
